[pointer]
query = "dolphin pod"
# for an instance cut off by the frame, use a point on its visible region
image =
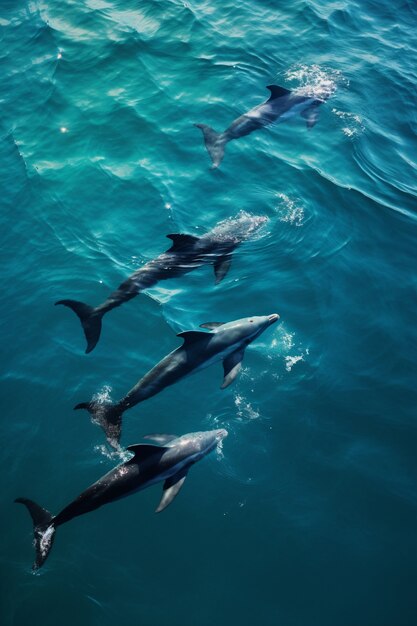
(280, 106)
(226, 342)
(150, 464)
(170, 461)
(186, 254)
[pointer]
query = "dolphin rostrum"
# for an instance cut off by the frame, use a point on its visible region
(226, 342)
(168, 462)
(281, 105)
(186, 254)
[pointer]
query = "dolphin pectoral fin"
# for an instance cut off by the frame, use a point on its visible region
(277, 91)
(311, 115)
(232, 365)
(180, 240)
(171, 488)
(161, 438)
(221, 267)
(212, 325)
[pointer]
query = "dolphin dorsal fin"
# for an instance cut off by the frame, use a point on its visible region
(277, 91)
(191, 336)
(212, 325)
(180, 240)
(143, 451)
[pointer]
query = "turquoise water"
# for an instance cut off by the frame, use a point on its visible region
(308, 514)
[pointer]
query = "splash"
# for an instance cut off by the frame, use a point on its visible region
(353, 124)
(245, 410)
(113, 455)
(244, 225)
(219, 450)
(290, 211)
(290, 361)
(283, 344)
(288, 340)
(103, 396)
(315, 81)
(46, 540)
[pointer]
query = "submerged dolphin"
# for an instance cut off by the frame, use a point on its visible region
(186, 254)
(226, 342)
(150, 464)
(281, 105)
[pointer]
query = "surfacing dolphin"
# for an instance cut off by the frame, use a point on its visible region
(187, 253)
(281, 105)
(150, 464)
(227, 342)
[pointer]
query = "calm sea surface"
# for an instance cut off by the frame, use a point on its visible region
(307, 516)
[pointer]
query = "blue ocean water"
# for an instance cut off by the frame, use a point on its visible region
(308, 513)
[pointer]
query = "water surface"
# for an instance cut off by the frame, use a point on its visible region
(308, 516)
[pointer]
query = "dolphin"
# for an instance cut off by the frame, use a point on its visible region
(226, 342)
(281, 105)
(187, 253)
(150, 464)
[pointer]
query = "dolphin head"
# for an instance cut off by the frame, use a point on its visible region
(245, 330)
(197, 445)
(237, 229)
(220, 434)
(210, 438)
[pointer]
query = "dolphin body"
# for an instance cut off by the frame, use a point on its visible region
(150, 464)
(226, 342)
(186, 254)
(281, 105)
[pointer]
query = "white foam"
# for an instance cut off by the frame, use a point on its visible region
(114, 455)
(289, 210)
(219, 450)
(288, 340)
(46, 541)
(315, 81)
(353, 123)
(290, 361)
(103, 396)
(245, 410)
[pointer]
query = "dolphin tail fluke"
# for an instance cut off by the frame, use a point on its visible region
(90, 321)
(43, 531)
(108, 416)
(215, 143)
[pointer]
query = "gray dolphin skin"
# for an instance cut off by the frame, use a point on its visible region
(186, 254)
(226, 342)
(168, 462)
(281, 105)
